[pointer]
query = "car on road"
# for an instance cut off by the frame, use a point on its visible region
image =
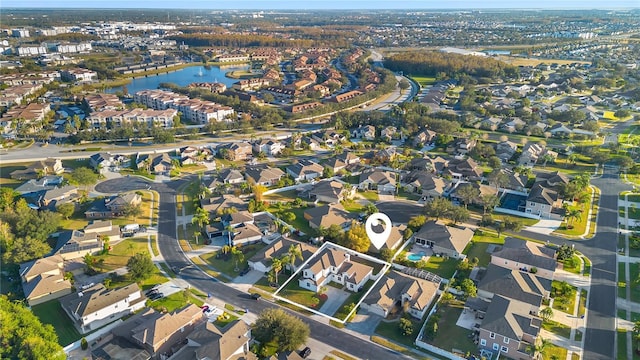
(256, 296)
(304, 353)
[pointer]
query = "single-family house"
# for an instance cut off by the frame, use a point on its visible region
(523, 255)
(490, 123)
(49, 166)
(395, 239)
(305, 170)
(327, 215)
(482, 190)
(463, 169)
(542, 202)
(389, 133)
(384, 182)
(208, 342)
(333, 264)
(245, 233)
(263, 175)
(268, 147)
(510, 328)
(461, 146)
(335, 164)
(43, 280)
(444, 239)
(112, 206)
(435, 165)
(401, 292)
(505, 150)
(58, 195)
(231, 176)
(97, 306)
(217, 205)
(349, 158)
(514, 284)
(366, 132)
(425, 137)
(424, 183)
(559, 130)
(238, 151)
(262, 260)
(331, 192)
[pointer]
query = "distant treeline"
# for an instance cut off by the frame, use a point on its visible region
(238, 40)
(434, 63)
(67, 37)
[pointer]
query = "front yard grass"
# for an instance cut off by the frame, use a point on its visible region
(478, 246)
(554, 352)
(574, 265)
(579, 226)
(301, 296)
(51, 312)
(175, 301)
(445, 268)
(586, 271)
(634, 271)
(352, 206)
(557, 328)
(525, 221)
(353, 298)
(370, 195)
(120, 254)
(225, 319)
(227, 265)
(622, 281)
(564, 297)
(391, 331)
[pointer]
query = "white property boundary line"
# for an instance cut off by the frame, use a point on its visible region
(350, 252)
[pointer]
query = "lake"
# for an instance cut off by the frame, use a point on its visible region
(183, 77)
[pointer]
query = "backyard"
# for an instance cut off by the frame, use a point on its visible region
(479, 245)
(443, 267)
(391, 331)
(449, 336)
(51, 312)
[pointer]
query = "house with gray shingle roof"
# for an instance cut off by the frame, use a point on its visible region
(514, 284)
(43, 280)
(518, 254)
(444, 239)
(402, 290)
(333, 264)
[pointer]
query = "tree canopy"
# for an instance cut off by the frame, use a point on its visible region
(140, 266)
(356, 238)
(275, 325)
(23, 336)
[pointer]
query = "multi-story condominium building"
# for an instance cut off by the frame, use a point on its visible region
(145, 117)
(193, 110)
(79, 75)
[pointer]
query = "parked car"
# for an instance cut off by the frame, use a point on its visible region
(151, 292)
(305, 352)
(245, 271)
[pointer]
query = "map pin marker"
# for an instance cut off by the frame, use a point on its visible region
(378, 239)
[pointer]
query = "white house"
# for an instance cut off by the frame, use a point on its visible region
(97, 306)
(335, 265)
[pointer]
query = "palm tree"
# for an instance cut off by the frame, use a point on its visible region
(546, 314)
(294, 252)
(200, 218)
(276, 266)
(572, 215)
(238, 257)
(636, 333)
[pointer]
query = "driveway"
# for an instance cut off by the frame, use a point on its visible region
(544, 226)
(364, 322)
(335, 299)
(244, 283)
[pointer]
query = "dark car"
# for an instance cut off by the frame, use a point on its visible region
(256, 296)
(244, 271)
(305, 352)
(156, 296)
(151, 292)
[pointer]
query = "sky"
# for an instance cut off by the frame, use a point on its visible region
(324, 4)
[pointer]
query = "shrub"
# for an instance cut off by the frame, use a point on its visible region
(84, 344)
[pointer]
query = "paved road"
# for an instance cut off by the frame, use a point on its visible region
(173, 255)
(399, 211)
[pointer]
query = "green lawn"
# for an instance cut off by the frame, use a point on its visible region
(553, 352)
(352, 206)
(299, 223)
(120, 254)
(574, 265)
(288, 195)
(578, 225)
(557, 328)
(51, 313)
(622, 344)
(390, 330)
(300, 295)
(449, 335)
(174, 301)
(523, 220)
(565, 303)
(225, 319)
(370, 195)
(582, 306)
(445, 268)
(423, 80)
(634, 271)
(227, 264)
(478, 247)
(633, 213)
(622, 281)
(353, 298)
(587, 266)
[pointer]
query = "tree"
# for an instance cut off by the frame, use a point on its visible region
(403, 85)
(356, 238)
(84, 176)
(25, 249)
(24, 336)
(468, 287)
(498, 179)
(275, 325)
(66, 210)
(289, 217)
(636, 333)
(370, 209)
(140, 266)
(565, 252)
(238, 257)
(200, 218)
(132, 211)
(546, 314)
(327, 172)
(416, 222)
(293, 254)
(386, 254)
(489, 201)
(406, 327)
(258, 190)
(467, 193)
(514, 225)
(276, 267)
(438, 207)
(571, 215)
(459, 214)
(622, 113)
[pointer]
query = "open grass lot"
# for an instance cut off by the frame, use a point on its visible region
(423, 80)
(518, 61)
(288, 195)
(554, 352)
(174, 301)
(369, 195)
(621, 350)
(390, 330)
(449, 335)
(479, 245)
(227, 265)
(120, 254)
(51, 313)
(557, 328)
(441, 266)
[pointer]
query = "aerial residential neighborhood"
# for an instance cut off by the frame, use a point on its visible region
(364, 183)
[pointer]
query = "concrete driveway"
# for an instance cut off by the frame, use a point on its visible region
(544, 226)
(244, 283)
(335, 299)
(364, 322)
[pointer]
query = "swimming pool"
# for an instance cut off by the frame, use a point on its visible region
(416, 256)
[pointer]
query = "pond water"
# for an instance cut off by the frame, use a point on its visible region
(183, 77)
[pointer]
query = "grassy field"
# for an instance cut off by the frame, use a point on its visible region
(634, 271)
(622, 281)
(175, 301)
(51, 313)
(423, 80)
(622, 344)
(441, 266)
(449, 335)
(518, 61)
(390, 330)
(478, 247)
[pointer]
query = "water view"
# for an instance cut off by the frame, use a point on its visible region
(183, 77)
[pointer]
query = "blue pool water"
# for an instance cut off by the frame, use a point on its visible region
(416, 257)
